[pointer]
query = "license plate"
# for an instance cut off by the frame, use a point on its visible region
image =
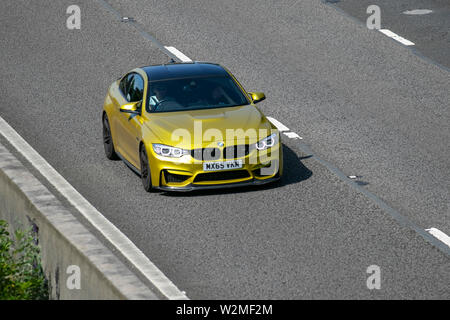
(225, 165)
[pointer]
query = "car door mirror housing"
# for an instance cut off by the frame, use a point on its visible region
(131, 107)
(257, 96)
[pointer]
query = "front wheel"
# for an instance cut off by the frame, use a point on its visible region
(145, 170)
(107, 140)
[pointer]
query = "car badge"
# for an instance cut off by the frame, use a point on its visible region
(220, 144)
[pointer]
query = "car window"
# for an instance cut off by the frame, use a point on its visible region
(194, 94)
(124, 85)
(136, 89)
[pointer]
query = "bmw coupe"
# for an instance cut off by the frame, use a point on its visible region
(187, 126)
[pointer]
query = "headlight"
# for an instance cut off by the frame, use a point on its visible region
(168, 151)
(267, 143)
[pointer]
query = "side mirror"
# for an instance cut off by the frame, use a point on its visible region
(257, 96)
(130, 108)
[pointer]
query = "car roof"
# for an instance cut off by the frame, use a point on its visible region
(183, 70)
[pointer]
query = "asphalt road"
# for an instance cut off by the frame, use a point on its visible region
(366, 104)
(428, 28)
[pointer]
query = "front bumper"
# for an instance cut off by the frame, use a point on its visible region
(192, 187)
(192, 176)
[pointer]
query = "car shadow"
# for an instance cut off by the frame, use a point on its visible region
(293, 172)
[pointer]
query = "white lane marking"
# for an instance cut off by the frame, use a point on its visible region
(292, 135)
(439, 235)
(127, 19)
(417, 11)
(132, 253)
(396, 37)
(282, 128)
(180, 55)
(278, 124)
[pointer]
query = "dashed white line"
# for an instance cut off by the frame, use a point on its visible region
(417, 11)
(439, 235)
(129, 250)
(281, 127)
(292, 135)
(396, 37)
(180, 55)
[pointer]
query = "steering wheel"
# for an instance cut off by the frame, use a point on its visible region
(157, 104)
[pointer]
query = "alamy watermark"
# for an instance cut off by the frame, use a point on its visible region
(374, 280)
(73, 22)
(374, 20)
(74, 279)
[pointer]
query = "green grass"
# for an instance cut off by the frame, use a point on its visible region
(21, 275)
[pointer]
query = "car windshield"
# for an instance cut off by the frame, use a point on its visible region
(194, 94)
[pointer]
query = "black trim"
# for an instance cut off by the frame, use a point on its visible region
(222, 175)
(128, 163)
(174, 178)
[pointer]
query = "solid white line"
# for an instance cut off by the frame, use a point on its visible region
(418, 11)
(439, 235)
(278, 124)
(180, 55)
(135, 256)
(396, 37)
(292, 135)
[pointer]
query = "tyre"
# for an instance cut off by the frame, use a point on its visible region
(146, 176)
(107, 140)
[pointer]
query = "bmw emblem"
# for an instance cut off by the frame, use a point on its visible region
(220, 144)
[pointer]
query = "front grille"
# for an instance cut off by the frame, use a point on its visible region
(206, 154)
(177, 178)
(237, 151)
(232, 152)
(222, 175)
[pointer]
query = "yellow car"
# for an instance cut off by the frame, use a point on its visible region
(188, 126)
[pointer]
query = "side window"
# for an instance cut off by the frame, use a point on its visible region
(136, 90)
(124, 85)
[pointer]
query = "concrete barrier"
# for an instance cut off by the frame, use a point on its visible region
(64, 241)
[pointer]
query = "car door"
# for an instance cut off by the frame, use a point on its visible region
(128, 126)
(134, 122)
(117, 120)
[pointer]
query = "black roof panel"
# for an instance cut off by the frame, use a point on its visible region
(183, 70)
